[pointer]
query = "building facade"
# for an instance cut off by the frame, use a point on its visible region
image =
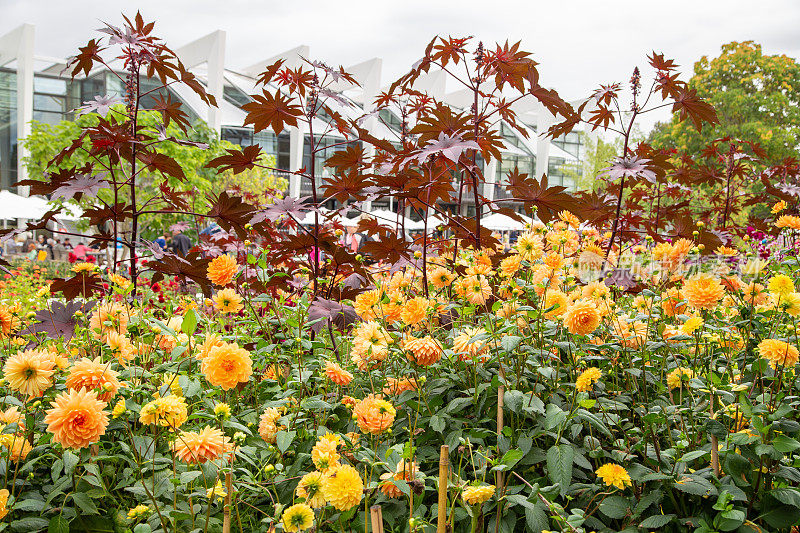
(35, 88)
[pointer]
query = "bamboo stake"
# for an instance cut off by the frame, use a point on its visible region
(444, 475)
(501, 392)
(226, 517)
(376, 517)
(714, 444)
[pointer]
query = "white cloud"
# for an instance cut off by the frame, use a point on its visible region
(579, 43)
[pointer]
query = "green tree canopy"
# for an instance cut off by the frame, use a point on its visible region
(47, 140)
(757, 98)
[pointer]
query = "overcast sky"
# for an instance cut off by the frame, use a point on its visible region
(579, 43)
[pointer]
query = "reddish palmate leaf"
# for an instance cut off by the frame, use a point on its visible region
(271, 111)
(78, 285)
(81, 186)
(322, 313)
(84, 61)
(171, 111)
(162, 163)
(548, 200)
(390, 248)
(689, 104)
(237, 160)
(59, 320)
(193, 267)
(232, 213)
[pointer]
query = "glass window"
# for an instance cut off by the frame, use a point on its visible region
(390, 119)
(8, 129)
(46, 85)
(524, 164)
(235, 96)
(571, 143)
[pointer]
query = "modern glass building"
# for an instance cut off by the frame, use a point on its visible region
(33, 88)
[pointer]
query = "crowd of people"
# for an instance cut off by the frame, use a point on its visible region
(54, 248)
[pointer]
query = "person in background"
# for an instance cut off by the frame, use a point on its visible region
(80, 251)
(32, 252)
(67, 244)
(59, 251)
(161, 241)
(181, 244)
(351, 239)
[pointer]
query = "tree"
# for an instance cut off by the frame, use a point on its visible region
(757, 99)
(47, 140)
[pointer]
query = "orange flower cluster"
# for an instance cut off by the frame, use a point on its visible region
(227, 365)
(222, 269)
(208, 444)
(93, 374)
(77, 418)
(374, 414)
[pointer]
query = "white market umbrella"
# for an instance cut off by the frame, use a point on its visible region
(501, 222)
(388, 218)
(14, 206)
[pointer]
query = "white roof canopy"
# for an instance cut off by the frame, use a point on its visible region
(14, 206)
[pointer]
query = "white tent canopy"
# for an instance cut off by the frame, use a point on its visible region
(500, 222)
(13, 206)
(391, 219)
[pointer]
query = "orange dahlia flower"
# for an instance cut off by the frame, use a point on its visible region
(397, 386)
(222, 269)
(93, 374)
(109, 317)
(267, 426)
(8, 321)
(13, 416)
(208, 444)
(227, 365)
(582, 317)
(29, 372)
(424, 351)
(788, 221)
(77, 418)
(414, 311)
(703, 291)
(226, 301)
(374, 414)
(337, 374)
(212, 340)
(778, 352)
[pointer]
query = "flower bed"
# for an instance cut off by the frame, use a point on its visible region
(565, 402)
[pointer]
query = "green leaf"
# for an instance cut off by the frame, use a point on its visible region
(142, 528)
(785, 444)
(716, 428)
(437, 423)
(519, 499)
(787, 496)
(191, 475)
(70, 462)
(554, 416)
(29, 505)
(58, 524)
(189, 324)
(31, 523)
(536, 518)
(691, 456)
(656, 521)
(511, 458)
(509, 343)
(284, 439)
(615, 507)
(513, 400)
(84, 502)
(559, 466)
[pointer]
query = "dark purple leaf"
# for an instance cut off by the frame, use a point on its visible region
(323, 312)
